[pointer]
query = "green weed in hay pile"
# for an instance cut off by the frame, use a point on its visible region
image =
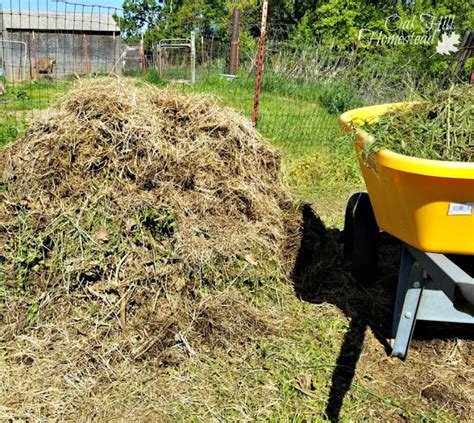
(440, 128)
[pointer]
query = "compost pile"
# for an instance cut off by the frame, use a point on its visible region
(440, 128)
(128, 205)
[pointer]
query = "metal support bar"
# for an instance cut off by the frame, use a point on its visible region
(429, 287)
(175, 41)
(435, 306)
(406, 263)
(175, 46)
(448, 276)
(410, 290)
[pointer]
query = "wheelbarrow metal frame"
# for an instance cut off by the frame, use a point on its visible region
(431, 287)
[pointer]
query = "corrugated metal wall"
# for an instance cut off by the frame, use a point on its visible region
(75, 54)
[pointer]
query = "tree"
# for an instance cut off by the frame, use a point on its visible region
(138, 17)
(302, 22)
(172, 18)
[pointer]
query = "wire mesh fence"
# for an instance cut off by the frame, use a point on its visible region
(45, 46)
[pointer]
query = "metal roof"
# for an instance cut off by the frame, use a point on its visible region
(58, 21)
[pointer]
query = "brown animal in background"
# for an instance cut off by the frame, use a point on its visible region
(45, 65)
(3, 91)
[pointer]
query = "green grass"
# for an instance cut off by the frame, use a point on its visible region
(289, 377)
(20, 102)
(10, 129)
(32, 95)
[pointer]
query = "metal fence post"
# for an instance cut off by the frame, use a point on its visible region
(160, 68)
(261, 50)
(202, 58)
(193, 57)
(234, 44)
(114, 49)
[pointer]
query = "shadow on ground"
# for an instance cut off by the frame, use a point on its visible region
(321, 275)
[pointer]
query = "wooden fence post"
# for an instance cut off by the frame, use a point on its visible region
(202, 58)
(35, 55)
(234, 43)
(142, 57)
(86, 53)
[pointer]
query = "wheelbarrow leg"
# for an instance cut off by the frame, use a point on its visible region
(409, 292)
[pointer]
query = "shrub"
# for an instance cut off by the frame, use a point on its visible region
(339, 95)
(153, 77)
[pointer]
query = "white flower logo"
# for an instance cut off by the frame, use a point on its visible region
(447, 44)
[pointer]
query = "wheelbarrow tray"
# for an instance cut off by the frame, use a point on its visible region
(428, 204)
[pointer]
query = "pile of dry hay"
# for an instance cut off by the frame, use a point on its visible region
(125, 206)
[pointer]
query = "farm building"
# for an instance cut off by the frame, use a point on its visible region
(56, 44)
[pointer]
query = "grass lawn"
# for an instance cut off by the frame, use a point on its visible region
(22, 102)
(32, 95)
(326, 357)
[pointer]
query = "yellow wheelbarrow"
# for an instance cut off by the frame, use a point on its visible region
(428, 205)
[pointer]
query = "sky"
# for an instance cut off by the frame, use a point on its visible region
(51, 5)
(112, 3)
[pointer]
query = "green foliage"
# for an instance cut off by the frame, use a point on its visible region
(153, 77)
(138, 15)
(340, 20)
(304, 23)
(303, 33)
(20, 94)
(25, 252)
(339, 96)
(171, 19)
(421, 24)
(32, 313)
(161, 224)
(10, 129)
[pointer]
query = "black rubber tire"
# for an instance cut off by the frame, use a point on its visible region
(361, 239)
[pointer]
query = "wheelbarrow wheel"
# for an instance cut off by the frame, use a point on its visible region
(361, 239)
